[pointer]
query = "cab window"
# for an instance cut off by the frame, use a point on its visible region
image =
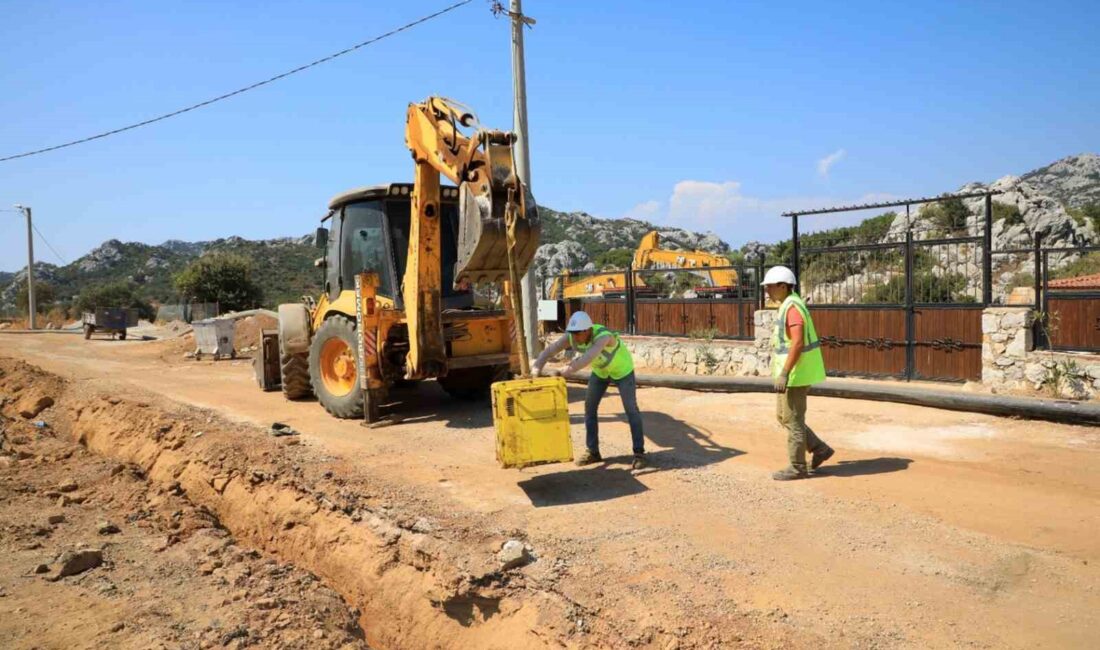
(363, 236)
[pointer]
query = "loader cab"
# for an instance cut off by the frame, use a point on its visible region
(368, 230)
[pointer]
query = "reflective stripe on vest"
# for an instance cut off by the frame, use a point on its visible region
(810, 367)
(614, 361)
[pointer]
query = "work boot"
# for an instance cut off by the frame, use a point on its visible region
(640, 462)
(789, 474)
(821, 454)
(589, 457)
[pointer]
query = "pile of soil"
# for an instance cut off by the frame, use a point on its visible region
(93, 554)
(248, 331)
(177, 327)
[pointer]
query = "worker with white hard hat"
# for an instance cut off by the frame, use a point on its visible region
(797, 364)
(611, 364)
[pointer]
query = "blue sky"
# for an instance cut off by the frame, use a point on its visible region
(706, 115)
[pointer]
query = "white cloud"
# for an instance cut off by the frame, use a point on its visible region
(826, 163)
(722, 208)
(646, 211)
(703, 202)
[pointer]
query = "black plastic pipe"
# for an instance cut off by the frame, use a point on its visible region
(1021, 407)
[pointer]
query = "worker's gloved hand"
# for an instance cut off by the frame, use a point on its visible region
(537, 371)
(780, 383)
(566, 371)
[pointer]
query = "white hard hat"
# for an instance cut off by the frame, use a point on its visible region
(579, 322)
(779, 274)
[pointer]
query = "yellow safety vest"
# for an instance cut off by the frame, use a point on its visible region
(810, 367)
(613, 361)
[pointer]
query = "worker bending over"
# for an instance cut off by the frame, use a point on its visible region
(611, 363)
(796, 365)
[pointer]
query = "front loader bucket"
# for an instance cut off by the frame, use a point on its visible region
(482, 232)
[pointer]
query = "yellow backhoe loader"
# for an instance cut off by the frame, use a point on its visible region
(399, 264)
(649, 255)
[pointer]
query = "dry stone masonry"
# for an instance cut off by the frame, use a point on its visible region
(1011, 362)
(694, 356)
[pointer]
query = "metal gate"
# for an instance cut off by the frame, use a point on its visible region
(904, 304)
(1071, 306)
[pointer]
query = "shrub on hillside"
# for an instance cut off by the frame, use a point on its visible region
(1010, 213)
(223, 278)
(615, 258)
(927, 288)
(113, 295)
(1089, 213)
(948, 216)
(1087, 264)
(43, 297)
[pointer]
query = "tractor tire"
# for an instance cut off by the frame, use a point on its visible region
(334, 368)
(294, 373)
(472, 384)
(294, 351)
(122, 335)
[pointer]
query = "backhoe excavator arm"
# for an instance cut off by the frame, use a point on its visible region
(490, 196)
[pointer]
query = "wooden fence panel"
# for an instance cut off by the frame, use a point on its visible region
(862, 341)
(947, 343)
(697, 316)
(1074, 321)
(729, 318)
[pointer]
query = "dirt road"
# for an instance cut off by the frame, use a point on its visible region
(933, 529)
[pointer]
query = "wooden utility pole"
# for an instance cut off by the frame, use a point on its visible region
(523, 163)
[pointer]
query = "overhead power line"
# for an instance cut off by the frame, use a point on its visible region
(245, 89)
(49, 245)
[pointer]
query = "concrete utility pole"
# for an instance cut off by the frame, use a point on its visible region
(30, 267)
(523, 163)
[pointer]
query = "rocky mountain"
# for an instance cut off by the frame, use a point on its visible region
(574, 240)
(1060, 202)
(284, 267)
(1073, 181)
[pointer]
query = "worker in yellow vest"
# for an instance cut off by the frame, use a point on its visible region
(796, 365)
(611, 364)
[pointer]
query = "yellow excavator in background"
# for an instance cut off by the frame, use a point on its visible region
(399, 264)
(649, 255)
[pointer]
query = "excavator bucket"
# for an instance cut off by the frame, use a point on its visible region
(482, 231)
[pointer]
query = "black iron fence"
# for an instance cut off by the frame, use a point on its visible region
(1069, 317)
(187, 311)
(711, 302)
(891, 300)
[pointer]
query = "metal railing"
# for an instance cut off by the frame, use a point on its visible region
(187, 311)
(1069, 319)
(697, 302)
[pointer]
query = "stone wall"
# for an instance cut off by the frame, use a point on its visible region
(1011, 362)
(691, 356)
(708, 357)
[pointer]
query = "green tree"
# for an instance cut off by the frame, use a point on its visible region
(1010, 213)
(119, 294)
(927, 287)
(1087, 213)
(223, 278)
(615, 258)
(43, 297)
(1087, 264)
(948, 216)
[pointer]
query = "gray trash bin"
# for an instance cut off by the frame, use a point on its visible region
(214, 337)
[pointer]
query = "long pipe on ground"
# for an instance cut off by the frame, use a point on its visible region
(1021, 407)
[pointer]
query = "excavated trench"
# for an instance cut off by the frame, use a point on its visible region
(413, 589)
